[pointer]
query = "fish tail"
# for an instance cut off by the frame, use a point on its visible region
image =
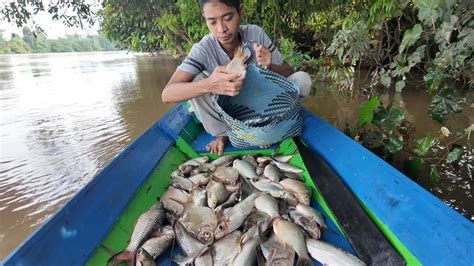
(121, 256)
(305, 261)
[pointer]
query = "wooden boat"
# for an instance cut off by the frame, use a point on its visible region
(378, 214)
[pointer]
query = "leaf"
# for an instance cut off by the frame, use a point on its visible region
(410, 37)
(424, 144)
(468, 131)
(446, 102)
(394, 117)
(366, 111)
(399, 85)
(428, 10)
(395, 144)
(454, 155)
(413, 166)
(434, 174)
(386, 80)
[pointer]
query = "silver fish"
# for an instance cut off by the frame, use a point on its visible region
(328, 254)
(226, 175)
(191, 247)
(155, 246)
(182, 183)
(250, 159)
(146, 224)
(298, 188)
(276, 252)
(199, 196)
(288, 167)
(171, 199)
(267, 204)
(309, 226)
(272, 172)
(224, 160)
(295, 176)
(235, 216)
(199, 221)
(264, 159)
(216, 194)
(247, 254)
(245, 169)
(275, 190)
(227, 248)
(283, 158)
(312, 214)
(200, 179)
(290, 234)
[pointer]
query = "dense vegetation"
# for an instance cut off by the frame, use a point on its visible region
(396, 41)
(71, 43)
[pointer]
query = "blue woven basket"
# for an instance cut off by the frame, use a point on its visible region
(266, 111)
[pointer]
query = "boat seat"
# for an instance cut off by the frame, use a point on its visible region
(199, 145)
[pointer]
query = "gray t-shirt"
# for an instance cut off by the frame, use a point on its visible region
(207, 54)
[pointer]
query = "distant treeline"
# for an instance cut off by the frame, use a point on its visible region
(29, 43)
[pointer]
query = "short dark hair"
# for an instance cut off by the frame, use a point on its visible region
(231, 3)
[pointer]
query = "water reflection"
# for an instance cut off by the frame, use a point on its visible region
(63, 118)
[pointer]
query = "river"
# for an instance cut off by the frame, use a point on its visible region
(63, 117)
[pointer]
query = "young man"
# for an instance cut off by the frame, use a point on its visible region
(202, 75)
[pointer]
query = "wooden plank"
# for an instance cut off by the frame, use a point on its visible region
(364, 236)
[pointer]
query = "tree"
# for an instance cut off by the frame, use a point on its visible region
(71, 12)
(28, 37)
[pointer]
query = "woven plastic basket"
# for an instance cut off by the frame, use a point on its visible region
(267, 110)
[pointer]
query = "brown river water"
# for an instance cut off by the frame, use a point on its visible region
(63, 117)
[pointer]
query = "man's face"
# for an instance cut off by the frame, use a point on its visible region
(223, 22)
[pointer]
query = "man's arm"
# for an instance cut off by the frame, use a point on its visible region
(180, 88)
(284, 69)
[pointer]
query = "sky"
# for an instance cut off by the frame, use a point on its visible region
(53, 29)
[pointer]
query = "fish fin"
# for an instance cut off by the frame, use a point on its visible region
(304, 261)
(120, 257)
(260, 257)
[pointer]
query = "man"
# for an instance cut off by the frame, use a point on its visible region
(191, 80)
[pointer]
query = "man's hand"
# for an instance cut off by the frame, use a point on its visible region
(225, 83)
(263, 55)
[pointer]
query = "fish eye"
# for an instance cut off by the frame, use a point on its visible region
(207, 234)
(220, 227)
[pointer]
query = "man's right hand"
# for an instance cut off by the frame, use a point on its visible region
(225, 83)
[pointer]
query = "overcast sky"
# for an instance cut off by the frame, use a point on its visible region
(53, 29)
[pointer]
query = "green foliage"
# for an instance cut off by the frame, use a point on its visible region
(454, 155)
(424, 145)
(444, 103)
(295, 58)
(366, 111)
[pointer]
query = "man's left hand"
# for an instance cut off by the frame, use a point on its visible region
(263, 55)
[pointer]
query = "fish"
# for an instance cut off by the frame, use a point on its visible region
(257, 222)
(276, 252)
(155, 246)
(272, 172)
(298, 188)
(267, 204)
(200, 179)
(145, 225)
(328, 254)
(286, 167)
(290, 234)
(227, 248)
(235, 216)
(182, 183)
(199, 221)
(283, 158)
(237, 63)
(313, 214)
(310, 226)
(171, 200)
(275, 190)
(225, 160)
(250, 159)
(191, 247)
(216, 194)
(245, 169)
(226, 175)
(247, 254)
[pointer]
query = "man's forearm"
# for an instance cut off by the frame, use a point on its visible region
(183, 91)
(284, 69)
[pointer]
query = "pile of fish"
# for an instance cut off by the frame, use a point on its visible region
(234, 211)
